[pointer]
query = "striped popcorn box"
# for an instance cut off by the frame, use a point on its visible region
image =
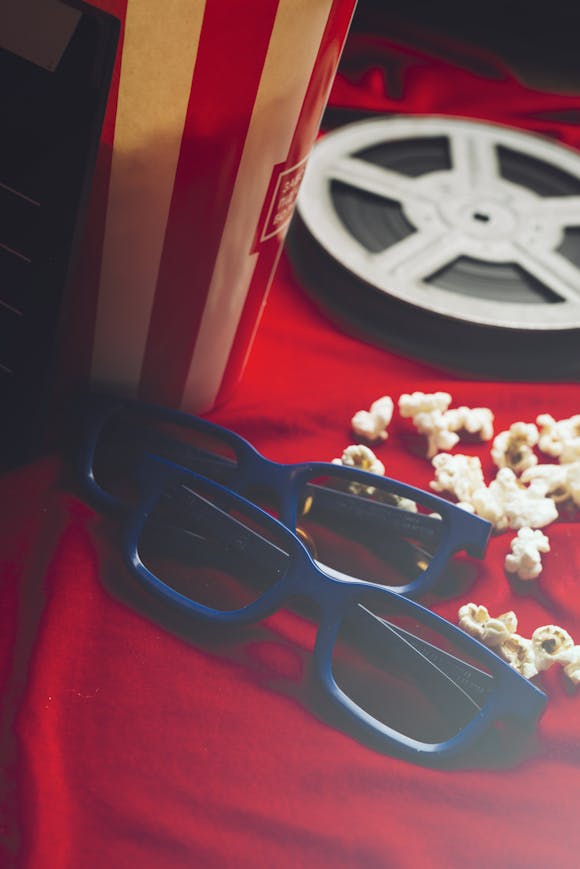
(211, 117)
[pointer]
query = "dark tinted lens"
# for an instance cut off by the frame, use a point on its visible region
(368, 532)
(406, 674)
(130, 433)
(211, 548)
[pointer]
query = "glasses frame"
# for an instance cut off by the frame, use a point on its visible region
(463, 531)
(513, 696)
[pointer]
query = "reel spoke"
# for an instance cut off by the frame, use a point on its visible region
(562, 210)
(419, 255)
(474, 159)
(375, 179)
(552, 270)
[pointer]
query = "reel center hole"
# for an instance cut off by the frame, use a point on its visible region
(481, 216)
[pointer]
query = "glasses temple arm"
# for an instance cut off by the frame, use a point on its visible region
(351, 507)
(208, 463)
(194, 458)
(426, 528)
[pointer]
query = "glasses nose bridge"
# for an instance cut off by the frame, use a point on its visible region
(331, 597)
(268, 478)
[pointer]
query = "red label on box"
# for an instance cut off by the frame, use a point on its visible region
(284, 187)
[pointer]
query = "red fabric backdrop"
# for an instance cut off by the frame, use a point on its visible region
(131, 738)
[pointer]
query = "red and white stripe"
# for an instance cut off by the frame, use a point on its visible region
(213, 107)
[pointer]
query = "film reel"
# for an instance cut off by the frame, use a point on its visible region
(453, 240)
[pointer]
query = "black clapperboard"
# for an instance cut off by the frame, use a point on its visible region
(56, 61)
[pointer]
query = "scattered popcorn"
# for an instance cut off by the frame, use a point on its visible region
(360, 456)
(421, 402)
(436, 428)
(569, 658)
(475, 420)
(459, 475)
(573, 482)
(431, 417)
(427, 411)
(508, 504)
(500, 635)
(408, 504)
(505, 502)
(518, 652)
(524, 558)
(477, 622)
(523, 496)
(548, 643)
(562, 482)
(570, 451)
(561, 438)
(488, 502)
(372, 424)
(514, 448)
